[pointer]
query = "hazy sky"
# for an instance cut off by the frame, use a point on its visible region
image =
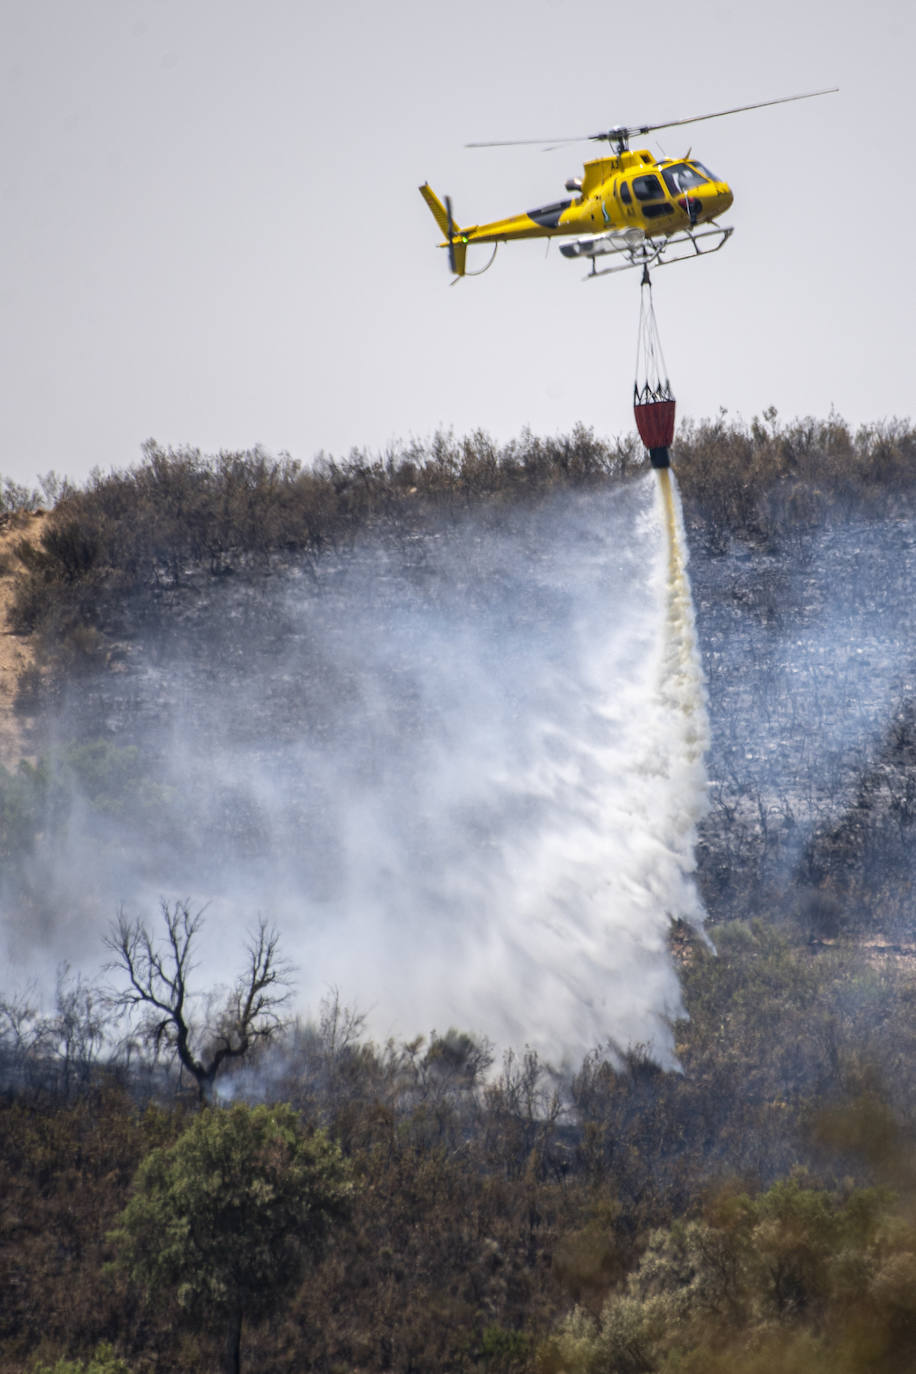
(212, 233)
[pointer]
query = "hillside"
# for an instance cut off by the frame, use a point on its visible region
(187, 578)
(382, 703)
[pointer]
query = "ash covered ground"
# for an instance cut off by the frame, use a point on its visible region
(809, 651)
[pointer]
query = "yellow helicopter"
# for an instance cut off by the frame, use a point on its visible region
(629, 205)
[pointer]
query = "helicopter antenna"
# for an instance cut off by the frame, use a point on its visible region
(621, 134)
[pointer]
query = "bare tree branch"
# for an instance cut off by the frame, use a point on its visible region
(157, 987)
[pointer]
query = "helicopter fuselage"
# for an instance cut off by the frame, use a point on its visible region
(627, 190)
(624, 191)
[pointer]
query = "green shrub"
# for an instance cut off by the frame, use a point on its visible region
(103, 1361)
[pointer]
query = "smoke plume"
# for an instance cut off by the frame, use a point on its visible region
(460, 769)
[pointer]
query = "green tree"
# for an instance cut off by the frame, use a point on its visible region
(229, 1217)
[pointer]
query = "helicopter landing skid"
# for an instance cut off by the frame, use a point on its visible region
(642, 251)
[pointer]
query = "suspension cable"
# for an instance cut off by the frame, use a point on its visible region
(651, 382)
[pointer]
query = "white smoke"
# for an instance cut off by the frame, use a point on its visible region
(462, 777)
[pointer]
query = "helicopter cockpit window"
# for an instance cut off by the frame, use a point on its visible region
(706, 172)
(648, 188)
(682, 177)
(625, 193)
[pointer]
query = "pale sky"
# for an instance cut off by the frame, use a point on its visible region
(212, 232)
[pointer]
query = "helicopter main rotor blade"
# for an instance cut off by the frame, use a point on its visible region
(631, 131)
(739, 109)
(519, 142)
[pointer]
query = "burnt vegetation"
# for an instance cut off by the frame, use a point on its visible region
(754, 1212)
(127, 537)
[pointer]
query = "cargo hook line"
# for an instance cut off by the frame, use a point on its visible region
(650, 361)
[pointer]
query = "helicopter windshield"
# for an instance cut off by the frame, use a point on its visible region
(706, 172)
(682, 177)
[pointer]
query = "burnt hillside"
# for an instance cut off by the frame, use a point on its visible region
(253, 680)
(149, 588)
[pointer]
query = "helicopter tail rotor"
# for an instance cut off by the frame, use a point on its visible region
(450, 232)
(455, 241)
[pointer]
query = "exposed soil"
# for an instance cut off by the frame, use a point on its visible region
(17, 652)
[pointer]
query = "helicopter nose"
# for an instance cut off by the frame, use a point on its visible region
(723, 197)
(707, 202)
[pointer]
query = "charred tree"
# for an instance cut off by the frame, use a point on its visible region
(157, 990)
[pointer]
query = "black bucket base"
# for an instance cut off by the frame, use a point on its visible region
(659, 458)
